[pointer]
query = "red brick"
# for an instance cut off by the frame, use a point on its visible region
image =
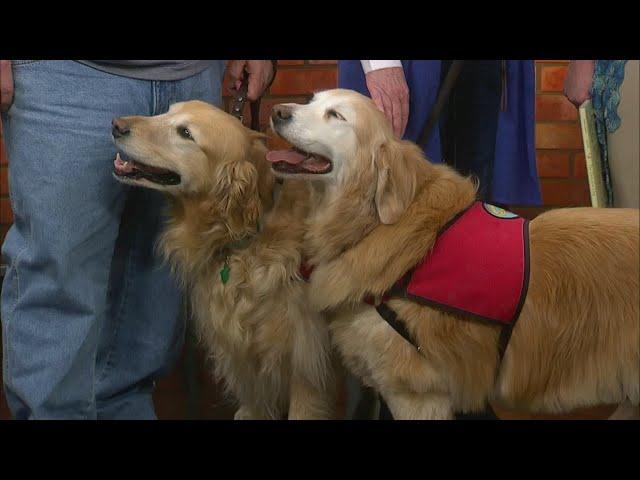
(565, 193)
(304, 81)
(552, 164)
(4, 181)
(555, 193)
(579, 166)
(552, 78)
(6, 215)
(323, 62)
(580, 194)
(558, 136)
(290, 62)
(554, 107)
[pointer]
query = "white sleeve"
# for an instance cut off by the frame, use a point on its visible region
(371, 65)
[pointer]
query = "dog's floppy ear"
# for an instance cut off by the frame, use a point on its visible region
(396, 181)
(237, 191)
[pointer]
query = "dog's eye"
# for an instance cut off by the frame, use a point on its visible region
(185, 133)
(334, 114)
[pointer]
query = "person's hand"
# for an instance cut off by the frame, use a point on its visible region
(260, 76)
(6, 85)
(390, 92)
(577, 85)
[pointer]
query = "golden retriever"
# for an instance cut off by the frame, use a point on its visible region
(235, 244)
(378, 206)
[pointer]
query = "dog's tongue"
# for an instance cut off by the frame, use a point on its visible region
(288, 156)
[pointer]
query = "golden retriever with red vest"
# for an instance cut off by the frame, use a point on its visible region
(378, 209)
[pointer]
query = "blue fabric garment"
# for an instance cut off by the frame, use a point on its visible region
(515, 174)
(91, 317)
(514, 177)
(608, 76)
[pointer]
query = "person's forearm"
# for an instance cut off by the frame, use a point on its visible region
(372, 65)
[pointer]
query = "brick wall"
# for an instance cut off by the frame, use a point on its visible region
(560, 156)
(560, 166)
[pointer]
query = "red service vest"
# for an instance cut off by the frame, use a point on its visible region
(479, 266)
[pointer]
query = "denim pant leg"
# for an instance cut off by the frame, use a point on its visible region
(144, 333)
(67, 210)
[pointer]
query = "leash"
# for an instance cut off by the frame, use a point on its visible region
(241, 98)
(443, 95)
(239, 101)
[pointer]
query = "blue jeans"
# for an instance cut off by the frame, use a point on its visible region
(90, 315)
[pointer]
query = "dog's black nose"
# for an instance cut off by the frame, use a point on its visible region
(281, 113)
(119, 128)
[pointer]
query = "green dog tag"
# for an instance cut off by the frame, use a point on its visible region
(224, 273)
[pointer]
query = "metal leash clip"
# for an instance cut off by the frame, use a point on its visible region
(240, 98)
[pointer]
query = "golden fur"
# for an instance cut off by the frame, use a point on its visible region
(269, 347)
(377, 213)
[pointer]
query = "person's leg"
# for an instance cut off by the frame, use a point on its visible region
(67, 211)
(142, 331)
(624, 143)
(144, 335)
(472, 121)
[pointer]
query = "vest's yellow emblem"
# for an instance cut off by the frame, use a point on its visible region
(499, 212)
